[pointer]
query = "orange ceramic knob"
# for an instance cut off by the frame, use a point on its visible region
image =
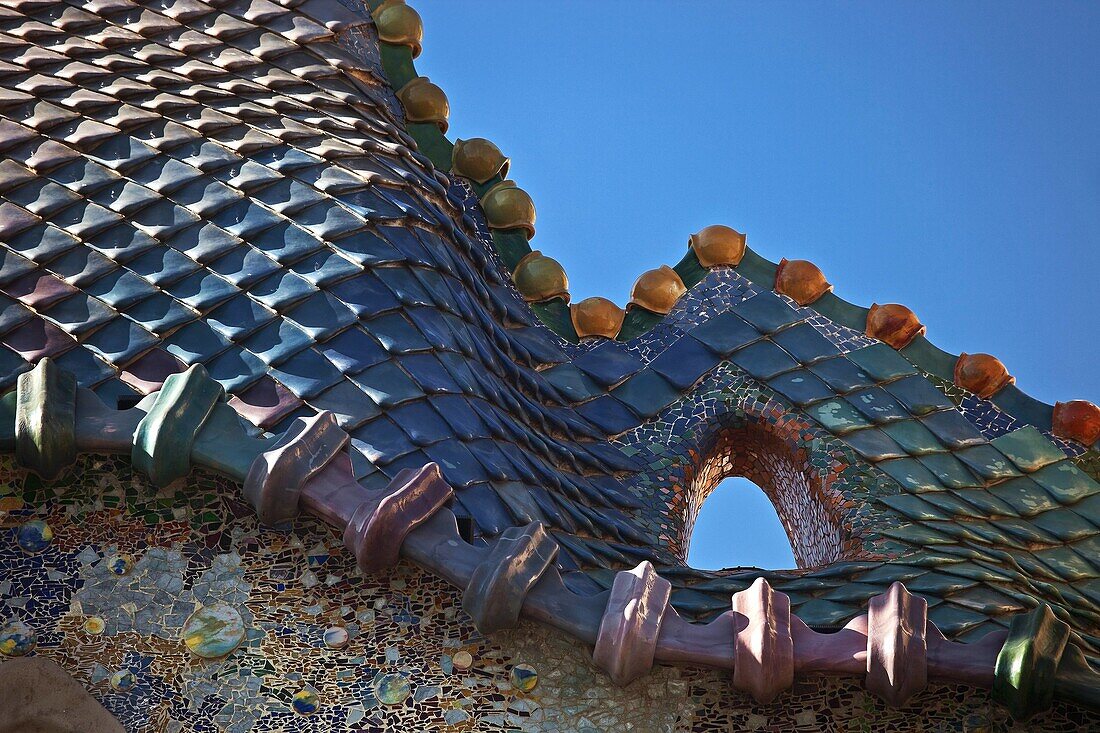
(597, 317)
(1077, 420)
(657, 290)
(717, 245)
(895, 324)
(801, 281)
(982, 374)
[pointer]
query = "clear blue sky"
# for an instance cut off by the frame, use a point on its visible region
(943, 155)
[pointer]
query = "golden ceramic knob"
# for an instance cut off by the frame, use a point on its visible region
(717, 245)
(895, 324)
(657, 290)
(478, 159)
(801, 281)
(400, 25)
(540, 278)
(597, 317)
(424, 101)
(1077, 420)
(508, 207)
(982, 374)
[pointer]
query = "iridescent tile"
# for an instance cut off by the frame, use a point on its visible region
(524, 677)
(34, 536)
(392, 688)
(120, 564)
(305, 702)
(336, 637)
(17, 639)
(123, 680)
(213, 631)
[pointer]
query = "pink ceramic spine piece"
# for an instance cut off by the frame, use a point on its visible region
(763, 649)
(276, 477)
(972, 663)
(631, 624)
(897, 653)
(379, 526)
(841, 652)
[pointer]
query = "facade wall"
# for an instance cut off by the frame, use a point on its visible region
(108, 594)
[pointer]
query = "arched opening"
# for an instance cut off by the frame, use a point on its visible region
(738, 526)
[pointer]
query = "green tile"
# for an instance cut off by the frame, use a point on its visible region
(1028, 448)
(1066, 482)
(988, 504)
(949, 470)
(882, 362)
(874, 445)
(916, 439)
(1066, 563)
(913, 507)
(1025, 496)
(1065, 524)
(919, 395)
(911, 474)
(987, 462)
(838, 416)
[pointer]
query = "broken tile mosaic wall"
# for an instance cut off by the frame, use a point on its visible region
(109, 592)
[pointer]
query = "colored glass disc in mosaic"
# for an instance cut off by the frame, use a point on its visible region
(123, 680)
(524, 677)
(462, 660)
(213, 631)
(392, 688)
(120, 564)
(17, 639)
(34, 536)
(94, 625)
(305, 702)
(336, 637)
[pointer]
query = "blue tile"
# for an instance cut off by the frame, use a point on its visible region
(801, 387)
(307, 374)
(281, 290)
(351, 407)
(120, 289)
(387, 385)
(607, 363)
(120, 341)
(421, 423)
(195, 342)
(763, 359)
(284, 242)
(202, 291)
(429, 373)
(458, 464)
(366, 295)
(380, 440)
(277, 342)
(246, 219)
(163, 266)
(88, 369)
(841, 374)
(367, 248)
(244, 266)
(397, 334)
(684, 362)
(79, 314)
(321, 315)
(160, 313)
(724, 333)
(236, 369)
(767, 312)
(878, 405)
(238, 317)
(805, 343)
(646, 393)
(325, 268)
(954, 430)
(204, 242)
(353, 350)
(486, 508)
(78, 266)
